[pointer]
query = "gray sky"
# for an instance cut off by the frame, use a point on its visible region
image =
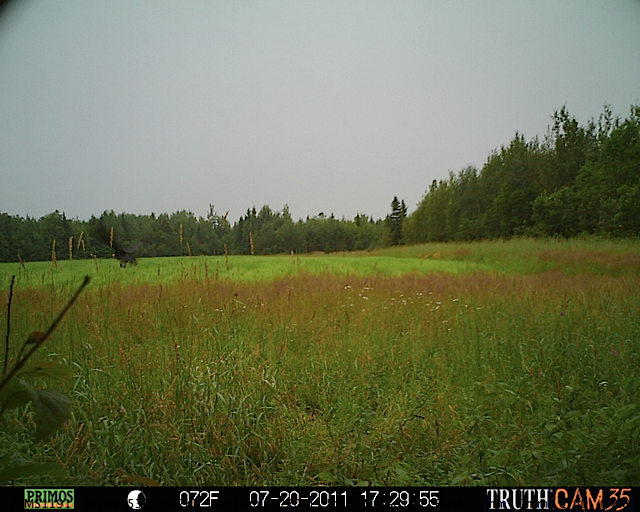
(329, 106)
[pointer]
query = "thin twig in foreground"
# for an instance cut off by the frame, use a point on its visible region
(39, 343)
(6, 349)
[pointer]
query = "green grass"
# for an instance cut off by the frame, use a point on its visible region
(518, 256)
(505, 363)
(241, 269)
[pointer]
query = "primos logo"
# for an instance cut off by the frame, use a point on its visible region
(48, 498)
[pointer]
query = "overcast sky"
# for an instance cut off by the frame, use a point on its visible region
(327, 106)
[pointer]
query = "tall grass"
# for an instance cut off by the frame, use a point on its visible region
(342, 377)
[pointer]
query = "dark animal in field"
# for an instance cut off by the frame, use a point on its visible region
(125, 255)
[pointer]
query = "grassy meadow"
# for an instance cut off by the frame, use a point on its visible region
(486, 363)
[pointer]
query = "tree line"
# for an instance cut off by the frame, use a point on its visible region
(182, 233)
(578, 180)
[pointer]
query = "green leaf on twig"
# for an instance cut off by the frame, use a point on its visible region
(52, 409)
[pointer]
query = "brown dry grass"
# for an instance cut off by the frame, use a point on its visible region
(587, 259)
